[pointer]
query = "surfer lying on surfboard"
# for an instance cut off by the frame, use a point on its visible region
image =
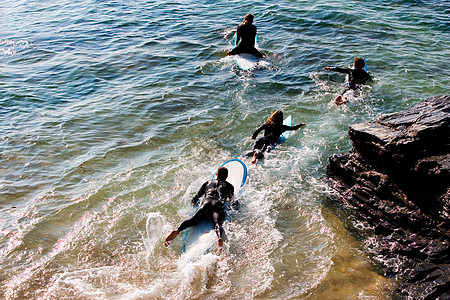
(245, 38)
(217, 192)
(273, 129)
(356, 77)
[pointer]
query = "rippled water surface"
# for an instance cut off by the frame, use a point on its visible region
(113, 113)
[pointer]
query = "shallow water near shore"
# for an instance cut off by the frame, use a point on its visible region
(113, 113)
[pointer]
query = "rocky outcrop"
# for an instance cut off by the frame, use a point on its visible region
(396, 179)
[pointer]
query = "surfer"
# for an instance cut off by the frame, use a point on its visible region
(273, 129)
(245, 38)
(217, 193)
(356, 77)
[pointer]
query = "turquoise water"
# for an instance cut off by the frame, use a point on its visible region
(113, 113)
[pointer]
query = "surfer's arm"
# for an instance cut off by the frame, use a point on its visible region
(238, 36)
(199, 194)
(233, 201)
(367, 77)
(295, 127)
(340, 70)
(298, 126)
(257, 131)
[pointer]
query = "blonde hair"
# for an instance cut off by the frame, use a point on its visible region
(275, 118)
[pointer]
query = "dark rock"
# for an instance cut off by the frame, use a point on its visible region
(397, 179)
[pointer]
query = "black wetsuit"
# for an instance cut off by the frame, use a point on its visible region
(217, 194)
(355, 77)
(245, 40)
(271, 136)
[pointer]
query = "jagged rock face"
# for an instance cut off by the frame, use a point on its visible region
(397, 179)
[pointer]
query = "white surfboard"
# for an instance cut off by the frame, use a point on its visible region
(237, 175)
(246, 61)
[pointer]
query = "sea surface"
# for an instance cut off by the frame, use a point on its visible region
(113, 113)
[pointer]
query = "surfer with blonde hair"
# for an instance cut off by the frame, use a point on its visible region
(273, 129)
(246, 38)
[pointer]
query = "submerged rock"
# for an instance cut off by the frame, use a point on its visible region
(397, 180)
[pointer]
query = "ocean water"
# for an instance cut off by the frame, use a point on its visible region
(113, 113)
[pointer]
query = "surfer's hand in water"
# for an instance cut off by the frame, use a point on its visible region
(299, 125)
(235, 204)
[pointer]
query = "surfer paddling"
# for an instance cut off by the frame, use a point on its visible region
(245, 38)
(356, 77)
(273, 129)
(217, 193)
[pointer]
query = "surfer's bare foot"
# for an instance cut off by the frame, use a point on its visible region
(255, 157)
(170, 237)
(339, 100)
(220, 243)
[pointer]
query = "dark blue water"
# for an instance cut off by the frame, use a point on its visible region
(113, 113)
